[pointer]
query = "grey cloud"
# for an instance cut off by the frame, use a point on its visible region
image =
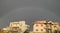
(29, 14)
(31, 10)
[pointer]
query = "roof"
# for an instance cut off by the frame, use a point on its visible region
(45, 22)
(55, 23)
(40, 22)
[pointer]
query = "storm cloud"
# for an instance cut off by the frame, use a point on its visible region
(28, 10)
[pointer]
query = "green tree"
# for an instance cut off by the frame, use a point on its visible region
(27, 31)
(55, 31)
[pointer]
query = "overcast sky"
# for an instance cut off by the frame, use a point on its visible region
(28, 10)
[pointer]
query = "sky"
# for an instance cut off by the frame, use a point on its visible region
(28, 10)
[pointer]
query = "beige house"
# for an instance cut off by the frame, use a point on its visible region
(16, 27)
(39, 26)
(44, 26)
(55, 26)
(20, 26)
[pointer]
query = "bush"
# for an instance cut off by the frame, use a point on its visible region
(27, 31)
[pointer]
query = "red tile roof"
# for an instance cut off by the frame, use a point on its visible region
(40, 22)
(45, 22)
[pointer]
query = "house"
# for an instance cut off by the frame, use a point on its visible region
(39, 26)
(20, 26)
(43, 26)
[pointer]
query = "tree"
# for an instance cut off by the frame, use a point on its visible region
(55, 31)
(27, 31)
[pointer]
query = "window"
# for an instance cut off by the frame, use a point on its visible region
(41, 24)
(41, 29)
(54, 26)
(36, 25)
(36, 29)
